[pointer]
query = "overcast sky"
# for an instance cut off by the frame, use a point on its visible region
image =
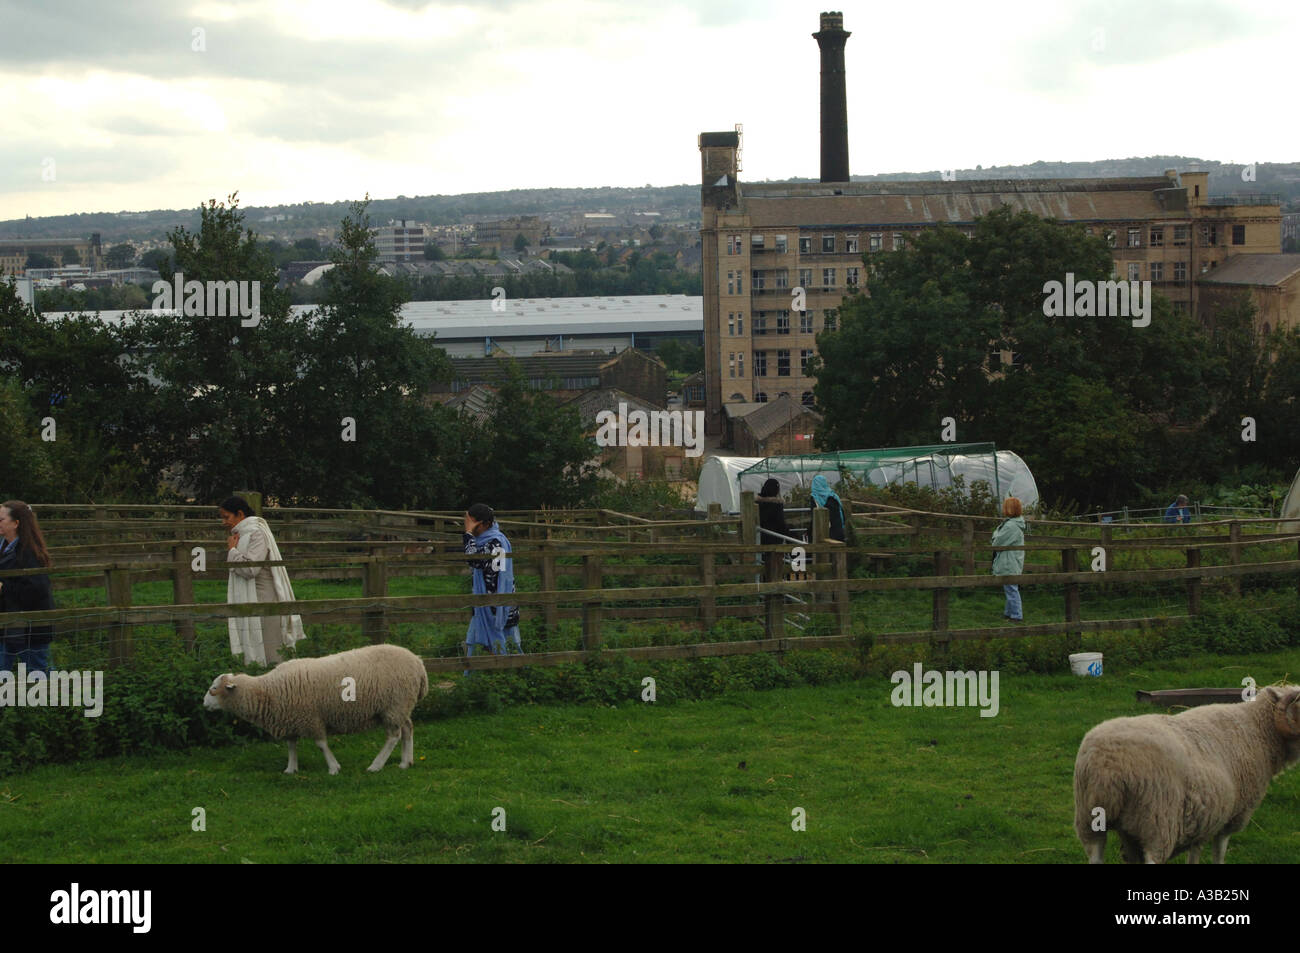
(163, 104)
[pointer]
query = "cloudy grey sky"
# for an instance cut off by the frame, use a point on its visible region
(161, 104)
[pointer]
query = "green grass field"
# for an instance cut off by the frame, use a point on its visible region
(705, 781)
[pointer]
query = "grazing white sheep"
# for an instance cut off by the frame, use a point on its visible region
(1170, 784)
(339, 694)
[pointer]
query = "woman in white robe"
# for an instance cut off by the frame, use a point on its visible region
(256, 638)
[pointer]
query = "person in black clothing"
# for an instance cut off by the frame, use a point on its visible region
(23, 547)
(771, 514)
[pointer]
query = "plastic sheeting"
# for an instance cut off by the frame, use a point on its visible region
(1004, 471)
(1291, 508)
(718, 482)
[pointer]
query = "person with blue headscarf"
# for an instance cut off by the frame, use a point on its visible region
(492, 627)
(823, 495)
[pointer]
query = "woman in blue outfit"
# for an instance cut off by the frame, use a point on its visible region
(23, 547)
(823, 495)
(492, 627)
(1010, 562)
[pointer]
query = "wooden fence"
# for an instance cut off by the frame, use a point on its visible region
(713, 567)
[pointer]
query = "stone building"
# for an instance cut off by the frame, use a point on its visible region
(1272, 282)
(761, 242)
(14, 252)
(500, 235)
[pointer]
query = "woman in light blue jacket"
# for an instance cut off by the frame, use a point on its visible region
(1010, 562)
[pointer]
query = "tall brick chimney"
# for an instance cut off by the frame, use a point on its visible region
(835, 111)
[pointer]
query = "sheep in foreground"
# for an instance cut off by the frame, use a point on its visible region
(338, 694)
(1170, 784)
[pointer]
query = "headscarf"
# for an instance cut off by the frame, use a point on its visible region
(821, 492)
(771, 488)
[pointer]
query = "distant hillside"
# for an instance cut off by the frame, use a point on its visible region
(676, 203)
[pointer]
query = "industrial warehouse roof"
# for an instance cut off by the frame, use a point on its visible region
(1259, 270)
(886, 204)
(542, 316)
(538, 316)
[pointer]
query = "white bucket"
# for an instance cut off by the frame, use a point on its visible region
(1086, 663)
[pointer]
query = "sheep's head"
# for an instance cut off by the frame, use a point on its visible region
(222, 687)
(1285, 700)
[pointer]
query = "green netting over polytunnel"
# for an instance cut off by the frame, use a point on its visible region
(935, 466)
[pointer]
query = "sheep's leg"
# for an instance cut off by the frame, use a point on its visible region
(408, 744)
(329, 755)
(293, 757)
(1096, 849)
(382, 758)
(1130, 849)
(1194, 853)
(1220, 846)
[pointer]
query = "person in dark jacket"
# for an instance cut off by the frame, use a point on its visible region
(771, 514)
(23, 547)
(823, 495)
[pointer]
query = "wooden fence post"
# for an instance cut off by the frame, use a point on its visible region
(1234, 552)
(708, 603)
(1070, 563)
(843, 614)
(118, 584)
(591, 579)
(968, 544)
(774, 603)
(550, 611)
(940, 641)
(715, 513)
(375, 586)
(1194, 584)
(821, 532)
(183, 591)
(749, 520)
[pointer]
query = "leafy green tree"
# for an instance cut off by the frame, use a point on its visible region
(926, 344)
(678, 356)
(521, 243)
(309, 247)
(40, 260)
(70, 256)
(433, 253)
(219, 416)
(156, 257)
(120, 256)
(531, 450)
(358, 361)
(69, 369)
(26, 472)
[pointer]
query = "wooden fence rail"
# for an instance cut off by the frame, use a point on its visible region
(728, 575)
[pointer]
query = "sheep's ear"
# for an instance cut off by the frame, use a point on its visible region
(1293, 709)
(1286, 711)
(230, 685)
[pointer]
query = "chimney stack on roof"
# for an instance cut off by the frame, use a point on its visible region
(835, 111)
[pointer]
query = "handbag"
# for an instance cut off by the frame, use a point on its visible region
(512, 617)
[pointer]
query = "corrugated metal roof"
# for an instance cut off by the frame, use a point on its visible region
(1265, 270)
(535, 317)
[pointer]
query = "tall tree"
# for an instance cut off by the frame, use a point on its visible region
(1092, 403)
(219, 413)
(530, 452)
(120, 256)
(368, 433)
